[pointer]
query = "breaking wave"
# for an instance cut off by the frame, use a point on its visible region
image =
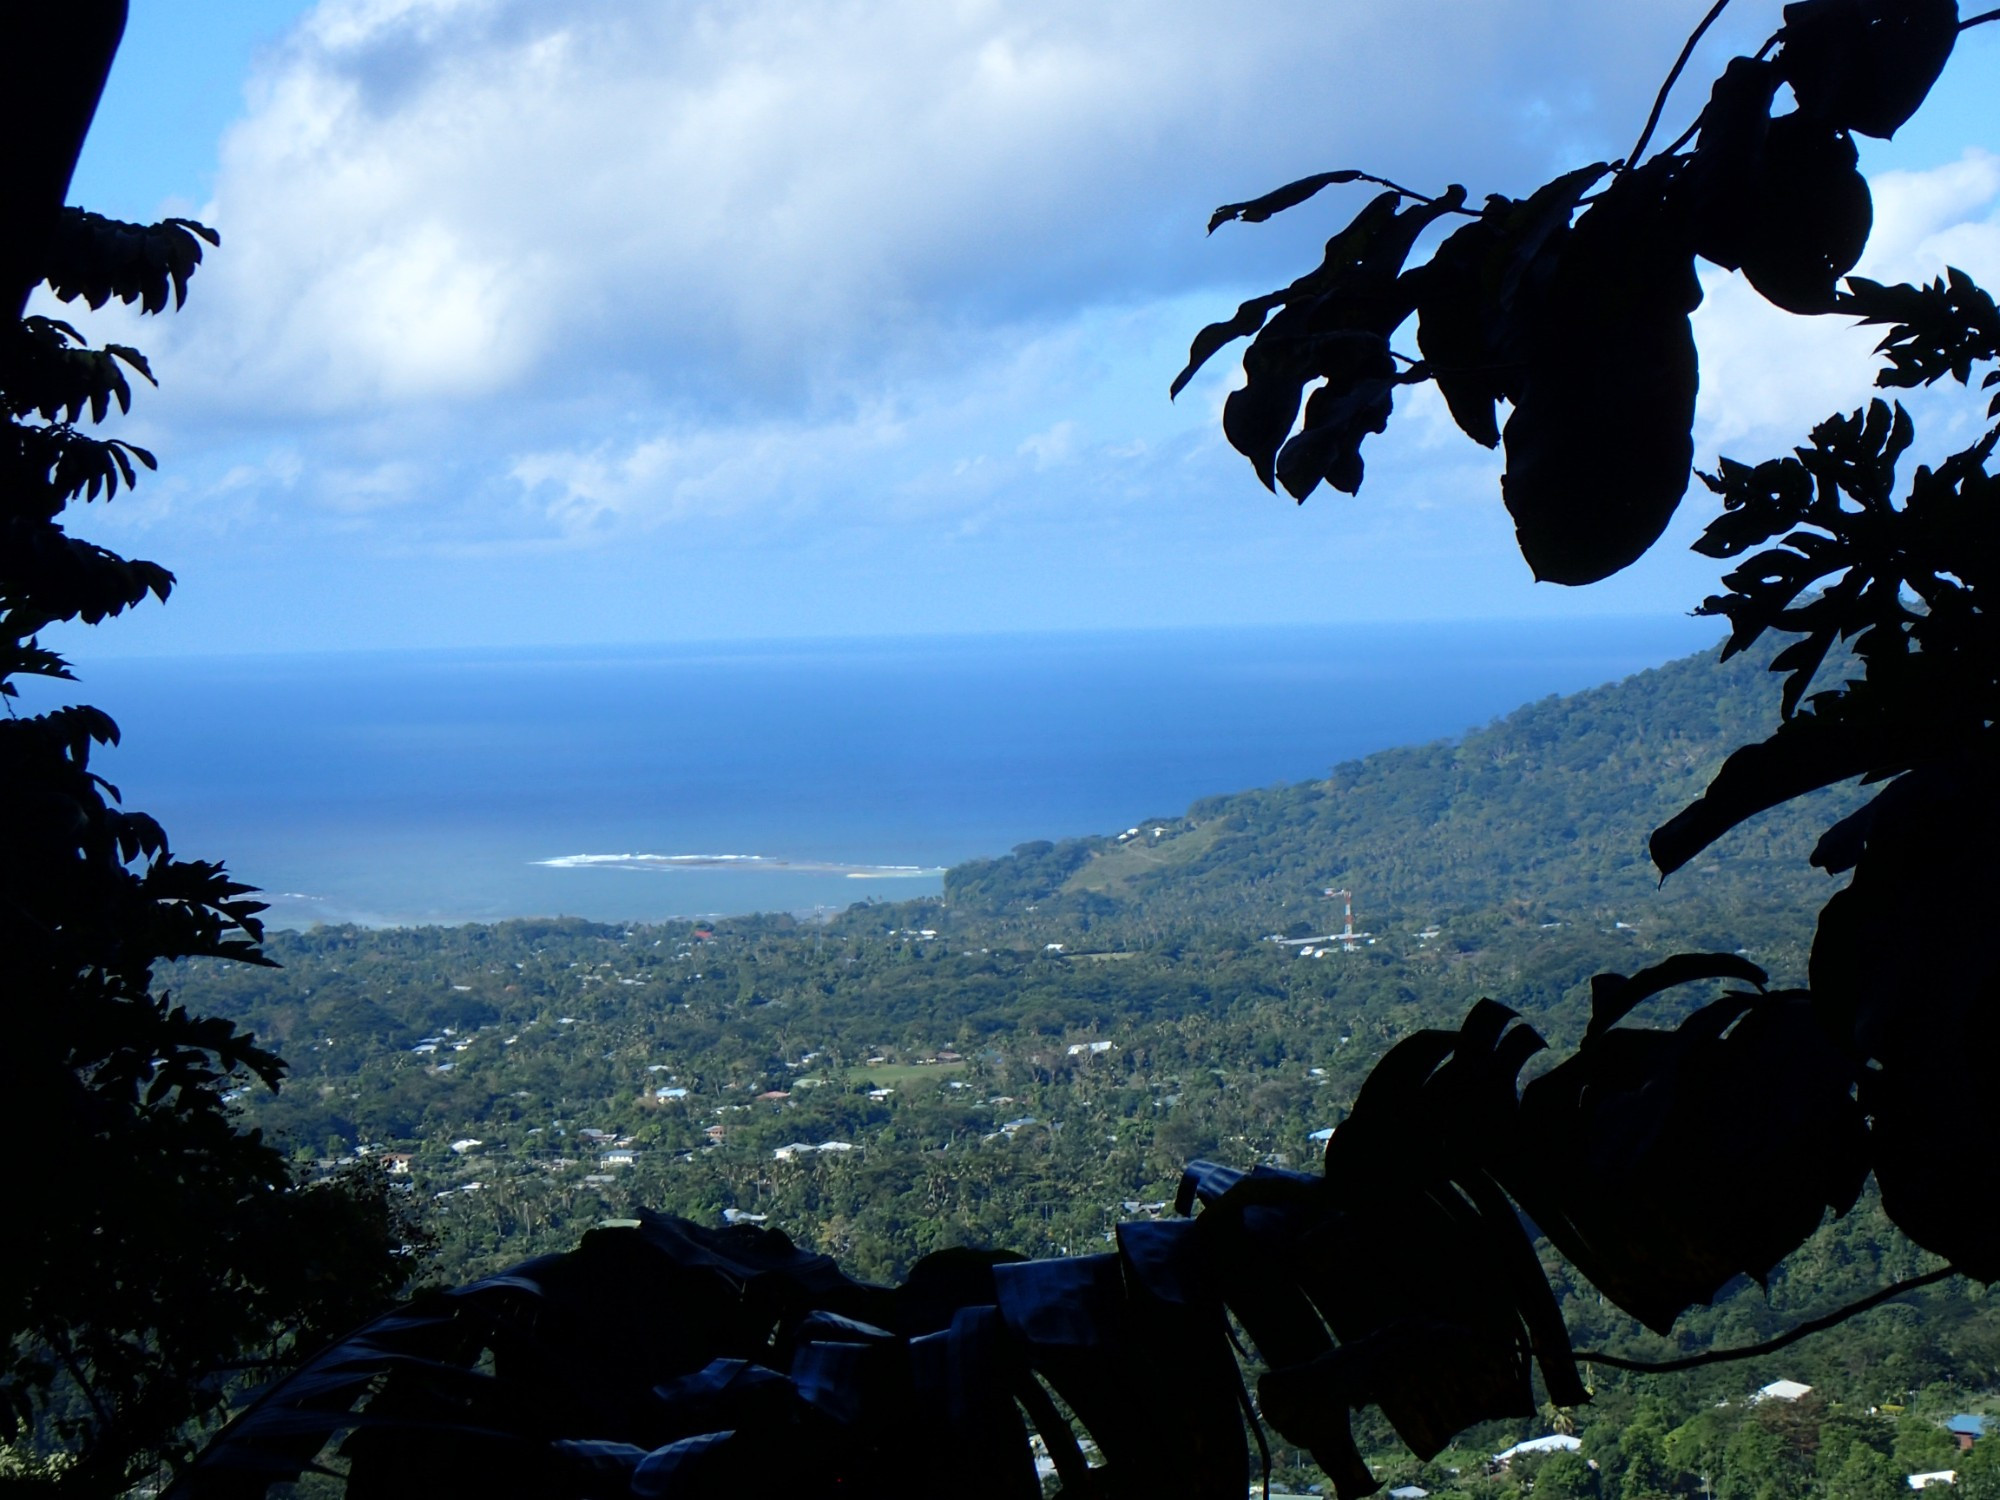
(670, 862)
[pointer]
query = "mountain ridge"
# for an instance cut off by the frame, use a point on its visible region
(1540, 817)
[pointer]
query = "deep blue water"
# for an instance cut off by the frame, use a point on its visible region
(424, 786)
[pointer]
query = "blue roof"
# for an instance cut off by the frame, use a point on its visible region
(1969, 1422)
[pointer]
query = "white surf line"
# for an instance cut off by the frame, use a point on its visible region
(672, 862)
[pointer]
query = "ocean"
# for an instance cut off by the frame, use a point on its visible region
(455, 786)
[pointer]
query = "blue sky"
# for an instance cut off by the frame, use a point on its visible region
(547, 322)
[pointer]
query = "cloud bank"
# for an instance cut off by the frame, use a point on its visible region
(519, 277)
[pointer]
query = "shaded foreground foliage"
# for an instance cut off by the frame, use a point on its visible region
(1663, 1161)
(153, 1245)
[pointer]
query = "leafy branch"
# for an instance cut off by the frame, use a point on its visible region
(1572, 305)
(165, 1241)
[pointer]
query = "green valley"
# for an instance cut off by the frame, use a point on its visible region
(1035, 1055)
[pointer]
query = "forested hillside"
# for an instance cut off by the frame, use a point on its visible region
(1540, 818)
(1035, 1056)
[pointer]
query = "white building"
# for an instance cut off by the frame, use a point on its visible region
(1781, 1390)
(1555, 1442)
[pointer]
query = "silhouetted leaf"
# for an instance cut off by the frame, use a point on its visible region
(1410, 1246)
(1923, 1013)
(708, 1464)
(1331, 325)
(1430, 1374)
(1811, 215)
(1473, 297)
(1726, 176)
(1204, 1182)
(1852, 459)
(1598, 446)
(1938, 330)
(944, 1283)
(1257, 210)
(1153, 1385)
(1865, 64)
(1664, 1164)
(964, 1406)
(1249, 318)
(1807, 753)
(1251, 1235)
(98, 260)
(1898, 580)
(1343, 252)
(1614, 996)
(1337, 417)
(1930, 1191)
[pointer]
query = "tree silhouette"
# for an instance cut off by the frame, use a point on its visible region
(665, 1359)
(1572, 305)
(152, 1247)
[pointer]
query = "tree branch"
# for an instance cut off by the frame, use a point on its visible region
(1979, 20)
(1769, 1346)
(1673, 77)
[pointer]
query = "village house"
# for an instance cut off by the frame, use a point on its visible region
(1555, 1442)
(1780, 1390)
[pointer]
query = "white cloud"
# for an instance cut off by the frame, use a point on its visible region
(695, 474)
(949, 451)
(887, 279)
(1949, 215)
(1768, 376)
(345, 24)
(280, 469)
(1052, 446)
(436, 199)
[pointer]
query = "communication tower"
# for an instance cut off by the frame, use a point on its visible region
(1347, 937)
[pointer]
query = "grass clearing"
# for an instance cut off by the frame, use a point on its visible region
(1112, 869)
(899, 1075)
